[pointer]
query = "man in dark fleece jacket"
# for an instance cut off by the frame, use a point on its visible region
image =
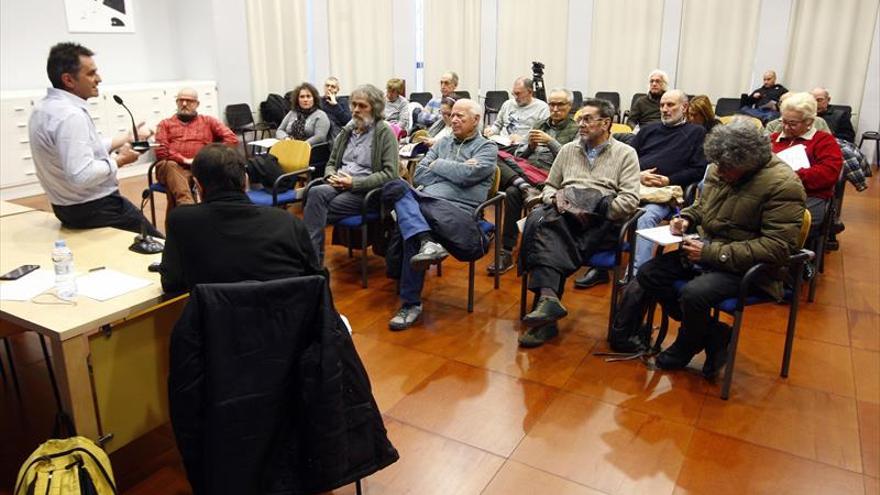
(670, 154)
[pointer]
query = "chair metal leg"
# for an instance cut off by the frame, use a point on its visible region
(792, 321)
(12, 371)
(471, 270)
(615, 289)
(364, 255)
(357, 487)
(524, 292)
(153, 208)
(731, 355)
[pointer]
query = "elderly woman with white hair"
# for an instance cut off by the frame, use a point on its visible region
(823, 152)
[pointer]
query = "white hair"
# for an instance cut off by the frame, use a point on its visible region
(663, 75)
(803, 103)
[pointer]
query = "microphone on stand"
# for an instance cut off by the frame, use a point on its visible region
(143, 243)
(139, 146)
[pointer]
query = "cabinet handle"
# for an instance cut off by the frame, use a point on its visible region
(19, 109)
(23, 141)
(30, 171)
(21, 125)
(26, 157)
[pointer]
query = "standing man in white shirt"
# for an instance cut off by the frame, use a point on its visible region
(73, 163)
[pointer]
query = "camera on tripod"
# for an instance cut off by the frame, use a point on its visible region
(538, 81)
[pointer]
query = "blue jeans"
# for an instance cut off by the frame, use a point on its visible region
(654, 214)
(411, 223)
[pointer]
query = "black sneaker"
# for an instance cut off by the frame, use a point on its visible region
(535, 337)
(505, 259)
(591, 278)
(673, 358)
(548, 310)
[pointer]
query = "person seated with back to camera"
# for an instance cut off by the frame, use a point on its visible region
(750, 212)
(452, 180)
(592, 188)
(305, 121)
(226, 238)
(364, 157)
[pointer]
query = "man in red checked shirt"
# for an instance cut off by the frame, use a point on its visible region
(180, 138)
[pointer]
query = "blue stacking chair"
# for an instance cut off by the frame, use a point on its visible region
(293, 157)
(748, 296)
(612, 260)
(370, 214)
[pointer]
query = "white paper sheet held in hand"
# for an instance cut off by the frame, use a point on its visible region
(795, 157)
(264, 143)
(27, 287)
(662, 235)
(106, 284)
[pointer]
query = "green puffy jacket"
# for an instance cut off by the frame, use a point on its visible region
(757, 219)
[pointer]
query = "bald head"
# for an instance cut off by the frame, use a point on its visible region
(673, 107)
(187, 104)
(823, 99)
(769, 79)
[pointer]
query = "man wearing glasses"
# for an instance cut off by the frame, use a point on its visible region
(180, 138)
(529, 166)
(598, 176)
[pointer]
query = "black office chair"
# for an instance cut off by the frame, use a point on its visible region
(726, 106)
(241, 121)
(463, 94)
(577, 101)
(614, 98)
(422, 98)
(494, 100)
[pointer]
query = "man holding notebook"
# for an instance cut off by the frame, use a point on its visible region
(751, 211)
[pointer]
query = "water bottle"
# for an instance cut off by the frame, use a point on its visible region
(62, 259)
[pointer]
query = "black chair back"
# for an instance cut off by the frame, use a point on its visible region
(726, 106)
(239, 116)
(463, 94)
(613, 97)
(422, 98)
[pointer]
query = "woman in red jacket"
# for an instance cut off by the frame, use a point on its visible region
(823, 152)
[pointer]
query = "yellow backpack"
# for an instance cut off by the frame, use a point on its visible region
(68, 466)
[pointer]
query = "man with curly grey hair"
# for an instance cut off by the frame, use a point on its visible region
(751, 211)
(364, 157)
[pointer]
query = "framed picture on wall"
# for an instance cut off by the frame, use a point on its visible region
(99, 16)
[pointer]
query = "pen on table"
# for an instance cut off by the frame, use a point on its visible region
(97, 268)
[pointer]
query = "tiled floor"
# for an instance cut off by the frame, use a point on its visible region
(471, 413)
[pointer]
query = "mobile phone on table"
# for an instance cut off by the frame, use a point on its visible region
(19, 272)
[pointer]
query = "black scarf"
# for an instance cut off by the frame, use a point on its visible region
(298, 127)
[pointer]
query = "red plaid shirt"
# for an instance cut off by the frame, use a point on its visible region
(180, 141)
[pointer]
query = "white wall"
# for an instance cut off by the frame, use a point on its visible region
(29, 28)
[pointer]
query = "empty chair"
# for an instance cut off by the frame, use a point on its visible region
(494, 100)
(613, 97)
(241, 121)
(422, 98)
(577, 100)
(726, 106)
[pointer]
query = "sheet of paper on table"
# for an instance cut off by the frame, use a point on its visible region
(105, 284)
(27, 287)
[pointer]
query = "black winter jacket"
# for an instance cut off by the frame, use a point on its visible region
(267, 393)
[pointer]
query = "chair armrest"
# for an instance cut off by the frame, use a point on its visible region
(365, 205)
(796, 261)
(628, 231)
(281, 178)
(315, 182)
(151, 173)
(478, 213)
